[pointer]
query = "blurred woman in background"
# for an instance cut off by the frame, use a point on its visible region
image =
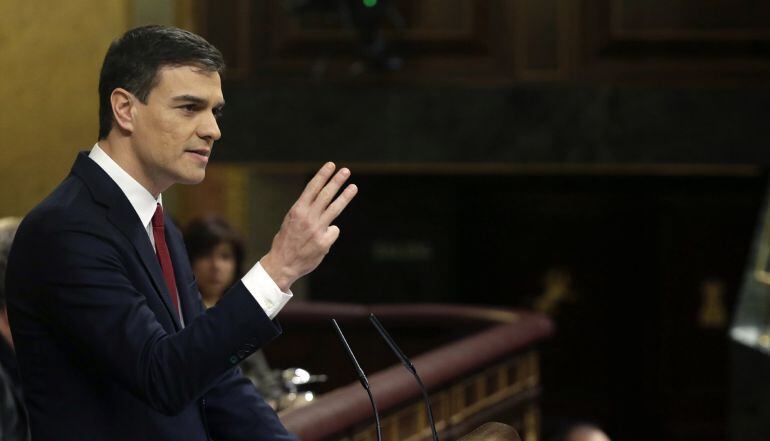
(216, 252)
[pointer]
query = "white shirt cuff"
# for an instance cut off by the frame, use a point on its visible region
(265, 291)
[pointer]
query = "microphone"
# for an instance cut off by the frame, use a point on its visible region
(361, 376)
(409, 366)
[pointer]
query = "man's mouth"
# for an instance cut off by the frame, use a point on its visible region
(202, 152)
(201, 155)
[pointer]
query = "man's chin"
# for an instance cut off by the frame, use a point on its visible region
(193, 178)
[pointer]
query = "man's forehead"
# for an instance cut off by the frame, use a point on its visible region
(189, 80)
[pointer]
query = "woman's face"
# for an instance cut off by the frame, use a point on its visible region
(215, 272)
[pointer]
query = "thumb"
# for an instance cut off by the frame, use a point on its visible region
(332, 233)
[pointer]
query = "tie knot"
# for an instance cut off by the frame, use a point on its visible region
(157, 218)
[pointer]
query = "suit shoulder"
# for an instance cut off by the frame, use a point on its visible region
(69, 205)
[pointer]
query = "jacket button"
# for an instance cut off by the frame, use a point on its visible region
(233, 359)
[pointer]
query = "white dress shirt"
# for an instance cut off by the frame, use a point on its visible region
(257, 281)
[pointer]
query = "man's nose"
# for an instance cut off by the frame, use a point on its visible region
(209, 129)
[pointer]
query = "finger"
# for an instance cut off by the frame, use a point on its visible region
(339, 204)
(316, 184)
(332, 233)
(330, 189)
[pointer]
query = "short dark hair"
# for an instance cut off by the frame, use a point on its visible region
(203, 234)
(133, 60)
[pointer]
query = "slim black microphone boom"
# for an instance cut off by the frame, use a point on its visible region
(409, 366)
(361, 376)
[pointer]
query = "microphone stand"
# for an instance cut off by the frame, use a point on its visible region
(409, 366)
(361, 376)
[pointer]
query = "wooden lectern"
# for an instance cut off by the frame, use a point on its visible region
(492, 432)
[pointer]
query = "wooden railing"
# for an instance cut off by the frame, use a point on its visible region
(490, 373)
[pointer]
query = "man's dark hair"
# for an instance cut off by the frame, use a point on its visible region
(133, 61)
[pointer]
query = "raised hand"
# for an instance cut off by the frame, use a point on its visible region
(306, 233)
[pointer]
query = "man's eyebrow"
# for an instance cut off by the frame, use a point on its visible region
(190, 98)
(196, 99)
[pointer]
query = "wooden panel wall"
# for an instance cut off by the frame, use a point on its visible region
(683, 41)
(499, 41)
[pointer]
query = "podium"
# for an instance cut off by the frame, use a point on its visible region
(487, 371)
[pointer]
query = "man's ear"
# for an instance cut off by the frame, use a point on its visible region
(123, 102)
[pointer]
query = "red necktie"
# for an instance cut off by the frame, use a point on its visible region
(164, 257)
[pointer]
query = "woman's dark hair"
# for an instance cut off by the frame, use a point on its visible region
(133, 60)
(203, 234)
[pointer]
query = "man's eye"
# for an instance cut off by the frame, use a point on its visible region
(189, 108)
(217, 113)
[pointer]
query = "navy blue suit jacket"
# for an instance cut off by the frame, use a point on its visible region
(101, 353)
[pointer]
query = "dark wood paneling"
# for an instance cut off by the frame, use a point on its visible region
(525, 124)
(690, 19)
(229, 26)
(682, 42)
(470, 38)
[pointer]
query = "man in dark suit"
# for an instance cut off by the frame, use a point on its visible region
(112, 340)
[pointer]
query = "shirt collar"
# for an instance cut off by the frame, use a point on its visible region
(142, 200)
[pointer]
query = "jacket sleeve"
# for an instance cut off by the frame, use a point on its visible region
(86, 294)
(236, 412)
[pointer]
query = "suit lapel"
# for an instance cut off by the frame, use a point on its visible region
(188, 299)
(137, 235)
(124, 217)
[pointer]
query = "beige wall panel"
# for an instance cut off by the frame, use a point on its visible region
(51, 52)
